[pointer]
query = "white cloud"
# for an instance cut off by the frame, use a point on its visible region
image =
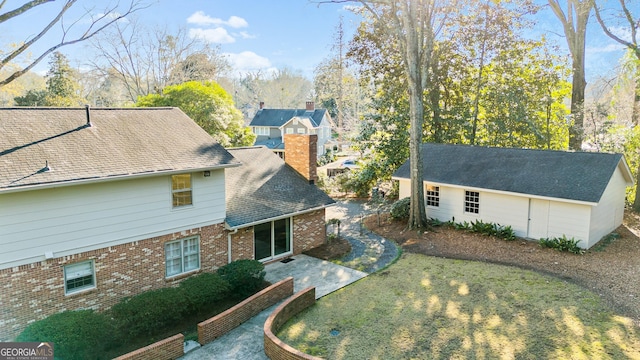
(200, 18)
(604, 49)
(247, 61)
(246, 35)
(217, 35)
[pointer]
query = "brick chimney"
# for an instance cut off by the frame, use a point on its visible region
(310, 106)
(300, 152)
(261, 105)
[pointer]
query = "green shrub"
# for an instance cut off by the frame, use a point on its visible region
(82, 334)
(400, 209)
(245, 277)
(203, 290)
(562, 244)
(150, 312)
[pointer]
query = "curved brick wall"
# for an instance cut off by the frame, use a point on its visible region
(275, 348)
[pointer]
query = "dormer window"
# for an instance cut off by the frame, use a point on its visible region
(181, 190)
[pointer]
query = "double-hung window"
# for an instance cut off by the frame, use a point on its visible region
(433, 196)
(79, 276)
(471, 202)
(181, 190)
(182, 256)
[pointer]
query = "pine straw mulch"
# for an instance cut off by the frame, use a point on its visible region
(611, 269)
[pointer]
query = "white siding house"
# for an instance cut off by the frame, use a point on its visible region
(540, 194)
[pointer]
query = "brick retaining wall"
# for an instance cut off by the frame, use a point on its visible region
(275, 348)
(167, 349)
(228, 320)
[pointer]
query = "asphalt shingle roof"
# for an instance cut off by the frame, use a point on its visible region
(581, 176)
(119, 142)
(278, 117)
(264, 187)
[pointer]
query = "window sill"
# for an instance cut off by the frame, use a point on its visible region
(81, 292)
(182, 275)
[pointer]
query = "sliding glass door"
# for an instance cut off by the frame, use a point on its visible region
(272, 239)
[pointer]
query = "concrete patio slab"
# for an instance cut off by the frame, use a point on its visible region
(247, 341)
(307, 271)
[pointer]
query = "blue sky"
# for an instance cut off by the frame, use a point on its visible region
(270, 34)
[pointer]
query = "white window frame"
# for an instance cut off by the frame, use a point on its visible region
(471, 202)
(302, 130)
(175, 192)
(84, 269)
(185, 253)
(289, 130)
(261, 130)
(432, 194)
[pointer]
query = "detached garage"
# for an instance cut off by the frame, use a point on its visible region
(539, 193)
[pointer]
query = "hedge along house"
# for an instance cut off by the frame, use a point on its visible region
(274, 210)
(539, 193)
(99, 204)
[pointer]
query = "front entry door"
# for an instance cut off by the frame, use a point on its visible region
(538, 219)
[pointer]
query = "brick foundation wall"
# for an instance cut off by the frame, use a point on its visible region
(228, 320)
(309, 231)
(275, 348)
(167, 349)
(34, 291)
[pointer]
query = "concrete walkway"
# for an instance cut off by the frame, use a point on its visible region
(369, 253)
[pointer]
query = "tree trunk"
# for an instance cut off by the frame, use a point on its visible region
(417, 214)
(577, 103)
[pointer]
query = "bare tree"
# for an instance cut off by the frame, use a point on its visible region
(147, 60)
(574, 24)
(72, 32)
(632, 24)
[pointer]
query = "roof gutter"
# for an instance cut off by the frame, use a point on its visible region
(96, 180)
(262, 221)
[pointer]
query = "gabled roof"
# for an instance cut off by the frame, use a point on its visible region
(264, 188)
(579, 176)
(278, 117)
(119, 143)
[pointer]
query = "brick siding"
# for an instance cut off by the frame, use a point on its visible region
(167, 349)
(275, 348)
(309, 231)
(228, 320)
(34, 291)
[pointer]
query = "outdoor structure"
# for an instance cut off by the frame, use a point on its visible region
(270, 126)
(539, 193)
(99, 204)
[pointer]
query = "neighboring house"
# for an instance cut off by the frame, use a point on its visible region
(99, 204)
(539, 193)
(270, 126)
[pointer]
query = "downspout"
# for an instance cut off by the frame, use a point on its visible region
(229, 244)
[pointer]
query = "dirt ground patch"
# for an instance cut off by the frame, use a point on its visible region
(332, 249)
(611, 270)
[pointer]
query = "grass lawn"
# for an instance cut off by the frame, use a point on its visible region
(432, 308)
